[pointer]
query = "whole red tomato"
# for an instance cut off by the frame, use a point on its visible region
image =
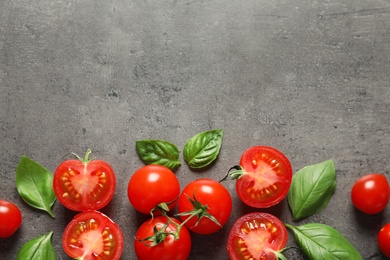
(211, 200)
(370, 193)
(384, 240)
(10, 218)
(256, 236)
(84, 184)
(152, 185)
(154, 239)
(266, 178)
(91, 235)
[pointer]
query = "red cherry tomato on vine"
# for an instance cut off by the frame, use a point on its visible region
(266, 179)
(256, 236)
(370, 193)
(215, 200)
(84, 184)
(384, 240)
(10, 218)
(165, 246)
(152, 185)
(92, 235)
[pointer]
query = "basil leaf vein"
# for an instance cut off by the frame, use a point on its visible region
(203, 148)
(311, 189)
(38, 248)
(34, 184)
(320, 241)
(158, 152)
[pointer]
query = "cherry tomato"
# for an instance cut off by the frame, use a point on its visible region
(370, 193)
(152, 185)
(84, 184)
(256, 236)
(215, 200)
(92, 235)
(165, 247)
(384, 240)
(267, 177)
(10, 218)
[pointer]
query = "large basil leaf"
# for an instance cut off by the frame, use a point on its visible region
(311, 189)
(158, 152)
(38, 248)
(203, 148)
(35, 185)
(322, 242)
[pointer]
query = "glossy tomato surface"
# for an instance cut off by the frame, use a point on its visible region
(91, 235)
(267, 177)
(211, 194)
(10, 218)
(370, 193)
(80, 185)
(256, 236)
(384, 240)
(169, 248)
(151, 185)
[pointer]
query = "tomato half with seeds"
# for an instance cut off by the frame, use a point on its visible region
(256, 235)
(84, 184)
(160, 238)
(266, 177)
(91, 235)
(152, 186)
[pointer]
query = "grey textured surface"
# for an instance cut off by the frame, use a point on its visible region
(310, 78)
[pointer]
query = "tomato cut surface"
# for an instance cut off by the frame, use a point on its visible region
(91, 235)
(267, 178)
(164, 246)
(256, 236)
(80, 185)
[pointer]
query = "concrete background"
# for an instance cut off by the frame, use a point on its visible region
(310, 78)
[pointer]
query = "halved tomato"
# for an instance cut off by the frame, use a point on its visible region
(84, 184)
(91, 235)
(256, 236)
(266, 177)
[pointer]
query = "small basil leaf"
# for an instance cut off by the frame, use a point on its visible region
(203, 148)
(311, 189)
(38, 248)
(322, 242)
(158, 152)
(35, 185)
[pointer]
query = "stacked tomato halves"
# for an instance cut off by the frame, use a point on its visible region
(86, 186)
(203, 206)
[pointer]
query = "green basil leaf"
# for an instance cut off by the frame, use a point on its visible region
(38, 248)
(35, 185)
(158, 152)
(319, 241)
(311, 189)
(203, 148)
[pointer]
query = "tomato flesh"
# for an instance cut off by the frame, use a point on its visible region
(170, 248)
(10, 218)
(370, 193)
(91, 235)
(256, 236)
(83, 186)
(267, 178)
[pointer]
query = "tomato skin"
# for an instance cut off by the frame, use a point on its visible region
(384, 240)
(211, 193)
(81, 186)
(151, 185)
(255, 229)
(169, 249)
(267, 178)
(370, 193)
(10, 218)
(90, 235)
